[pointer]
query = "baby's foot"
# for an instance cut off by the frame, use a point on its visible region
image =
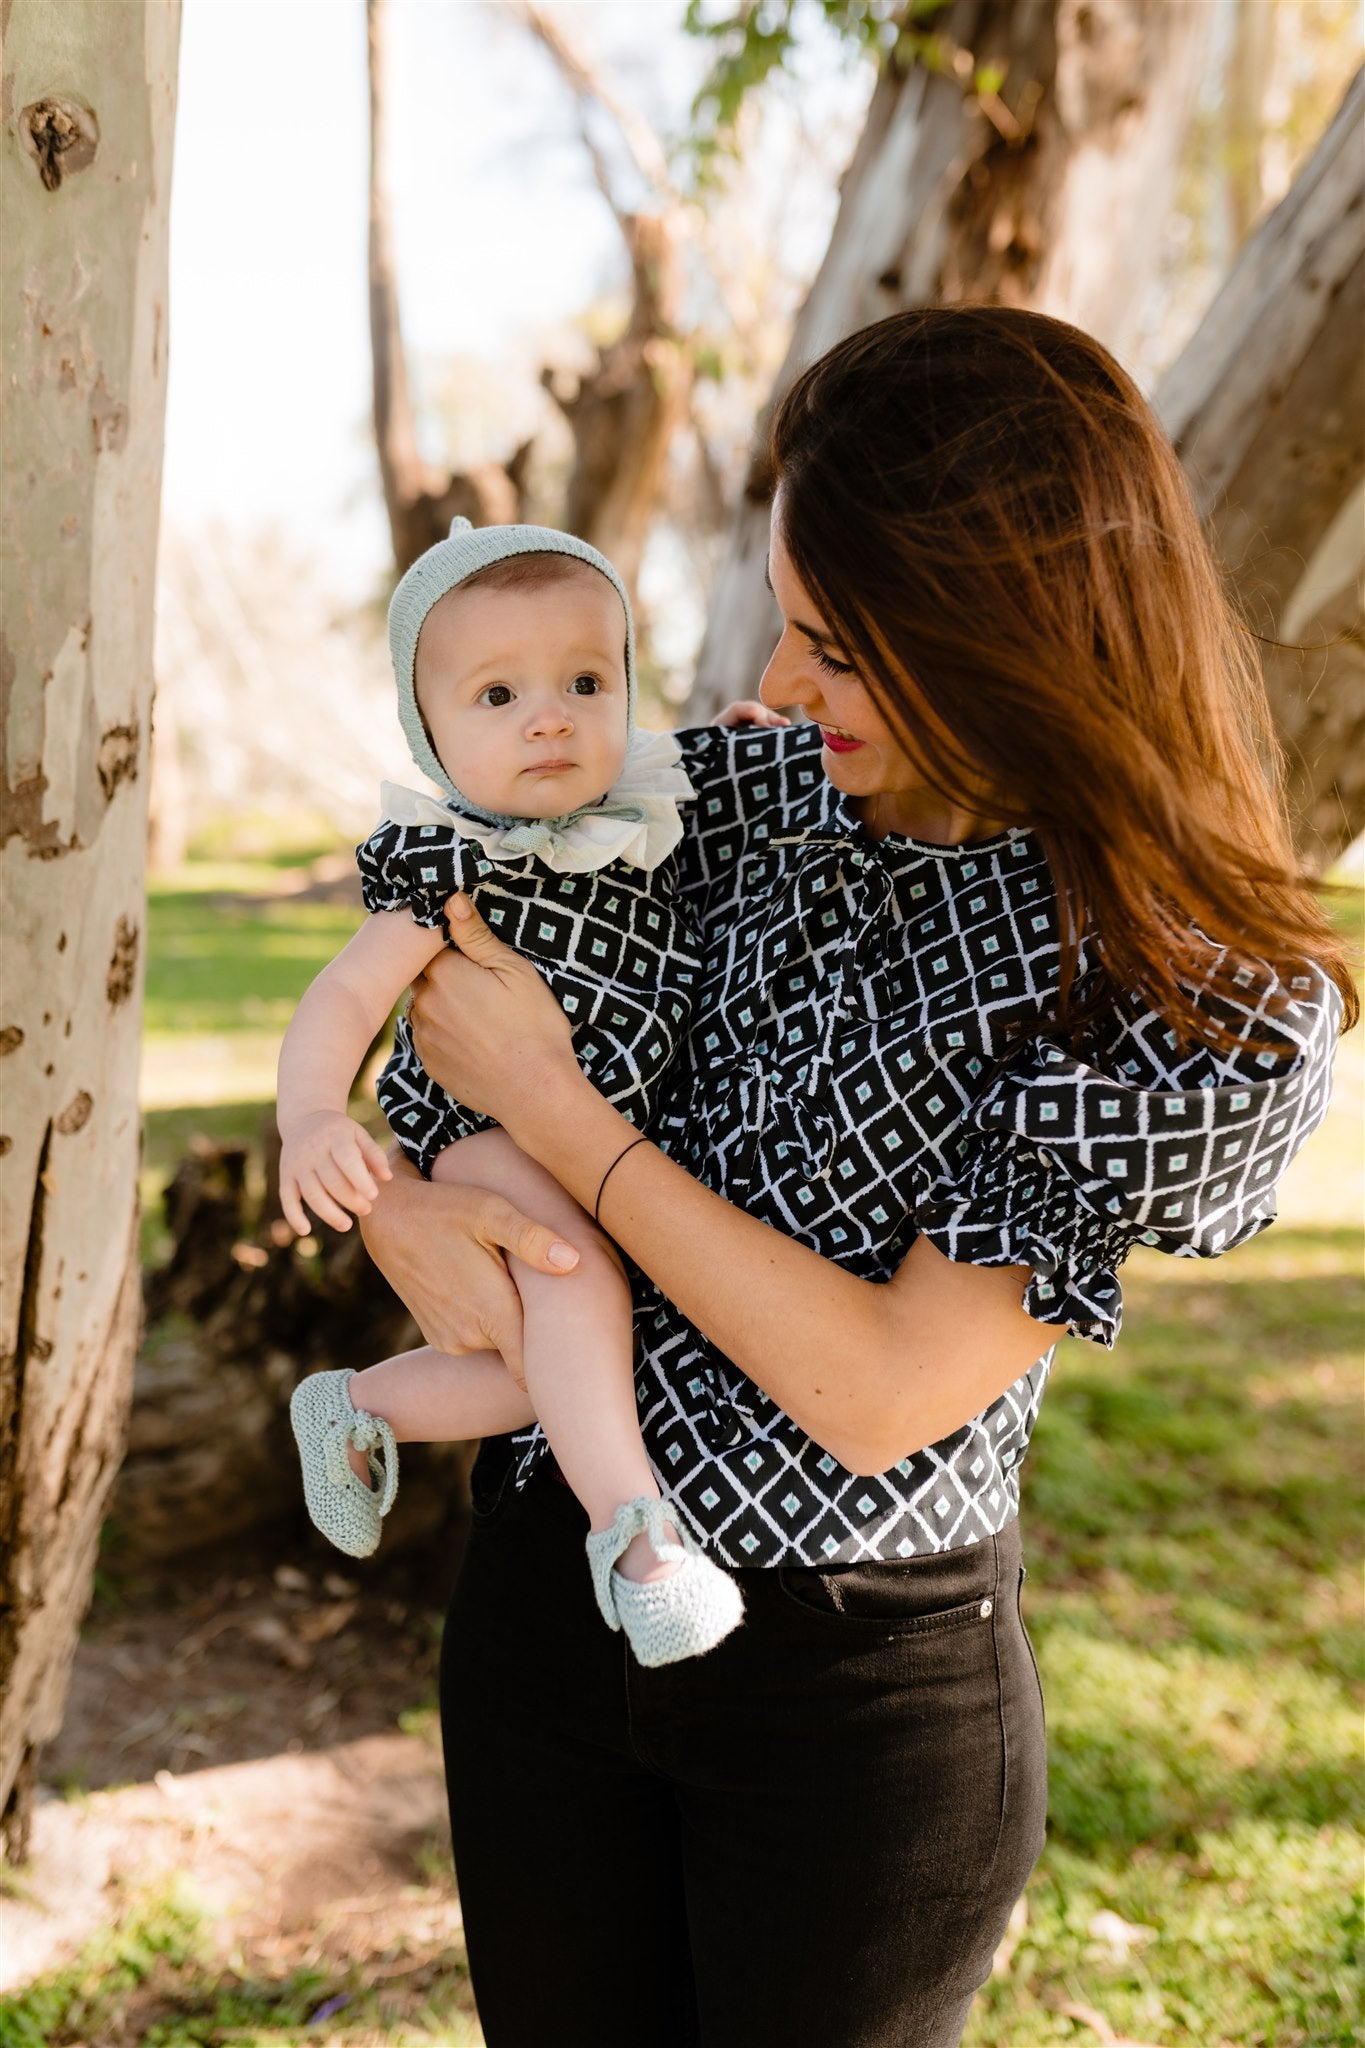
(680, 1612)
(642, 1564)
(346, 1501)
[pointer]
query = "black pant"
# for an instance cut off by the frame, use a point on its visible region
(810, 1838)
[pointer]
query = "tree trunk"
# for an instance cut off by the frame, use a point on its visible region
(420, 499)
(89, 117)
(1041, 196)
(626, 410)
(1242, 120)
(1266, 407)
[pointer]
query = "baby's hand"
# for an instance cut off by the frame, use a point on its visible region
(748, 711)
(334, 1165)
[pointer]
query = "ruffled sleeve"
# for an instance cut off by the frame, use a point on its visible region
(414, 867)
(707, 758)
(1064, 1166)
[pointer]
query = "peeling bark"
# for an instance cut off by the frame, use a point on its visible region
(13, 1374)
(1043, 199)
(87, 168)
(1266, 407)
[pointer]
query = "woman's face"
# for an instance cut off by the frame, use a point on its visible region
(862, 756)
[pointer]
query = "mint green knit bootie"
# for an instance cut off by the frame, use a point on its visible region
(683, 1615)
(347, 1511)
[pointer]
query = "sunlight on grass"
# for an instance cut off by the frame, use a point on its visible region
(220, 969)
(1193, 1522)
(1252, 1939)
(155, 1980)
(229, 955)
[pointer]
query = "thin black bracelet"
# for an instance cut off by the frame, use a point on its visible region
(610, 1171)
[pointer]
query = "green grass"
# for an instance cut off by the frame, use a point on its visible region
(1193, 1524)
(224, 972)
(229, 955)
(221, 966)
(153, 1982)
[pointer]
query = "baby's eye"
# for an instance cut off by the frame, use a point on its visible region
(496, 693)
(585, 686)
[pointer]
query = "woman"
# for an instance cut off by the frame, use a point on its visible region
(1008, 967)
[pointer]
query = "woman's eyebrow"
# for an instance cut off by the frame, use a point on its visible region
(815, 633)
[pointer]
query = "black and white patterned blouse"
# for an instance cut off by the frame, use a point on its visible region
(835, 1083)
(613, 944)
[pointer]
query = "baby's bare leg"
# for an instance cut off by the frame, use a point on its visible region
(578, 1343)
(428, 1397)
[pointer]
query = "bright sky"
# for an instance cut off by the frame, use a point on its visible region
(500, 233)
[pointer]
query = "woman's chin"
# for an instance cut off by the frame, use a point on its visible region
(848, 769)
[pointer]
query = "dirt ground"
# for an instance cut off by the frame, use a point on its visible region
(236, 1722)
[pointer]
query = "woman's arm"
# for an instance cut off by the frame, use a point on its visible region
(872, 1372)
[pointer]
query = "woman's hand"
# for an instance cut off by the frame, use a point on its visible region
(440, 1247)
(485, 1024)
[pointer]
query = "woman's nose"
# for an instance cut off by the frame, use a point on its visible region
(781, 683)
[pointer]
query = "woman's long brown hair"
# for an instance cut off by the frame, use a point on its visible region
(996, 528)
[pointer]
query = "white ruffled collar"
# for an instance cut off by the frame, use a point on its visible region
(636, 821)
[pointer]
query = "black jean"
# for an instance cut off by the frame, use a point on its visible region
(810, 1838)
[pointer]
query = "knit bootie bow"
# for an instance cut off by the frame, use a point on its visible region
(682, 1615)
(327, 1425)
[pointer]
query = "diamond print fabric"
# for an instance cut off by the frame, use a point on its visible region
(835, 1082)
(614, 946)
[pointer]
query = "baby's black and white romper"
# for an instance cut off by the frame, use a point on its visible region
(613, 942)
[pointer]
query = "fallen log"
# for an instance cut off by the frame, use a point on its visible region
(234, 1318)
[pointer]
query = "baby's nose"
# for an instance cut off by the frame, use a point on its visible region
(551, 716)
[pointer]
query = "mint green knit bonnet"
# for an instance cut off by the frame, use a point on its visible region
(452, 561)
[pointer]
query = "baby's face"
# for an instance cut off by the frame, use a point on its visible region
(524, 693)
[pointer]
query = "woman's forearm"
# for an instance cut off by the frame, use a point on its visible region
(872, 1372)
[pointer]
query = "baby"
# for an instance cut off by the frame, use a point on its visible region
(513, 651)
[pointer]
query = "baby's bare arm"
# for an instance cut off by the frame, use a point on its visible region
(335, 1023)
(328, 1160)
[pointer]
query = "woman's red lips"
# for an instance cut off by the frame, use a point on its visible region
(839, 742)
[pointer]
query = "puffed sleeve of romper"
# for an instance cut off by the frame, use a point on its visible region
(746, 780)
(1064, 1166)
(414, 867)
(707, 758)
